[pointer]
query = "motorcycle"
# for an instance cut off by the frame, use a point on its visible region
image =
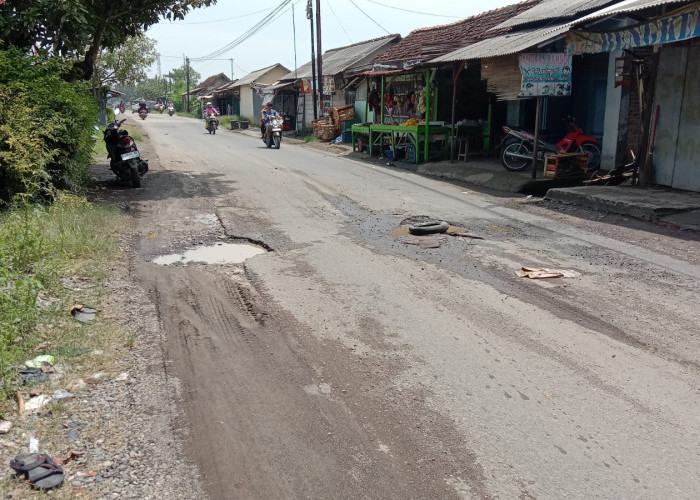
(212, 124)
(518, 145)
(273, 132)
(171, 110)
(125, 159)
(143, 113)
(121, 108)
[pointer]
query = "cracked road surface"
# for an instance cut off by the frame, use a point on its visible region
(346, 363)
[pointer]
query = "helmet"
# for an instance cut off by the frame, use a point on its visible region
(142, 101)
(209, 104)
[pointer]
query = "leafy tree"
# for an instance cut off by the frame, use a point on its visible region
(125, 64)
(80, 29)
(151, 88)
(179, 85)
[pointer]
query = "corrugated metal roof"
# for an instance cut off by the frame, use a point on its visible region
(253, 76)
(424, 44)
(553, 9)
(509, 43)
(628, 6)
(338, 60)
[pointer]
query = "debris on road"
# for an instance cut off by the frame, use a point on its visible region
(39, 361)
(5, 426)
(83, 313)
(537, 273)
(37, 403)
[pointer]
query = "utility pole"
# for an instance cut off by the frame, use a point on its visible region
(187, 77)
(310, 17)
(232, 68)
(319, 60)
(159, 75)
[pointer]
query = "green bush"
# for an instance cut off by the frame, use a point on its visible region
(45, 128)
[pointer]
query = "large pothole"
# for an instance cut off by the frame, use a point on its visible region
(220, 253)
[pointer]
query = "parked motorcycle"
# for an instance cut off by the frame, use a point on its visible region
(143, 114)
(212, 124)
(125, 158)
(273, 132)
(171, 110)
(518, 145)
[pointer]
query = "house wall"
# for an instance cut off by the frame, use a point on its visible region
(246, 104)
(613, 100)
(249, 107)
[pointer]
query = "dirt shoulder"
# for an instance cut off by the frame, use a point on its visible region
(116, 436)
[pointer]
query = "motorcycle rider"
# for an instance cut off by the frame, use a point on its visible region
(266, 114)
(210, 110)
(143, 106)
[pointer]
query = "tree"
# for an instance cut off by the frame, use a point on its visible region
(126, 64)
(151, 88)
(179, 85)
(80, 29)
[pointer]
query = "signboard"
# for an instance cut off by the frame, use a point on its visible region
(682, 25)
(545, 74)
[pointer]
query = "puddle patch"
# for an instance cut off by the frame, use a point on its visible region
(221, 253)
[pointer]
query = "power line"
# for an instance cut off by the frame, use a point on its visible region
(413, 11)
(276, 12)
(330, 5)
(369, 17)
(216, 21)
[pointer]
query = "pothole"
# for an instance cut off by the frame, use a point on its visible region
(221, 253)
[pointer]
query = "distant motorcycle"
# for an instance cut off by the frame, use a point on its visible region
(518, 145)
(212, 124)
(121, 108)
(125, 159)
(273, 132)
(143, 114)
(171, 110)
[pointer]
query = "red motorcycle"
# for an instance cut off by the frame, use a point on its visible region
(518, 145)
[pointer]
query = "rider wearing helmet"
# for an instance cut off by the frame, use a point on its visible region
(210, 110)
(143, 106)
(266, 114)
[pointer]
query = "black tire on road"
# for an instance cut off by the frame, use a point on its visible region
(277, 140)
(135, 177)
(431, 227)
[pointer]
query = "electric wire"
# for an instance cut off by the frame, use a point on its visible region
(330, 5)
(176, 23)
(369, 17)
(414, 11)
(274, 14)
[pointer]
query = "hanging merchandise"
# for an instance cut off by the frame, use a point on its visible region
(421, 102)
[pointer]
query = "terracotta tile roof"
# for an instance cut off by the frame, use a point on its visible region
(424, 44)
(211, 82)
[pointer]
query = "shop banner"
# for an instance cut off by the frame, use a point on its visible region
(682, 25)
(545, 74)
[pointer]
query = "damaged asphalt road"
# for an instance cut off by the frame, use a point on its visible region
(343, 362)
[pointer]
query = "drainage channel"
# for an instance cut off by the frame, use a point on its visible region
(219, 253)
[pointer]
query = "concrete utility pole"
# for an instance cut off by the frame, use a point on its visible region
(310, 17)
(319, 60)
(187, 77)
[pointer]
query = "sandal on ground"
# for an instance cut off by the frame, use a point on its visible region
(24, 463)
(46, 476)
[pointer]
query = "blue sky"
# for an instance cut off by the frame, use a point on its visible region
(344, 22)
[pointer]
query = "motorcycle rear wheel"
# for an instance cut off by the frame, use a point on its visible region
(135, 177)
(515, 164)
(593, 154)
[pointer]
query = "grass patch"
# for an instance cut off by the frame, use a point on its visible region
(310, 138)
(50, 258)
